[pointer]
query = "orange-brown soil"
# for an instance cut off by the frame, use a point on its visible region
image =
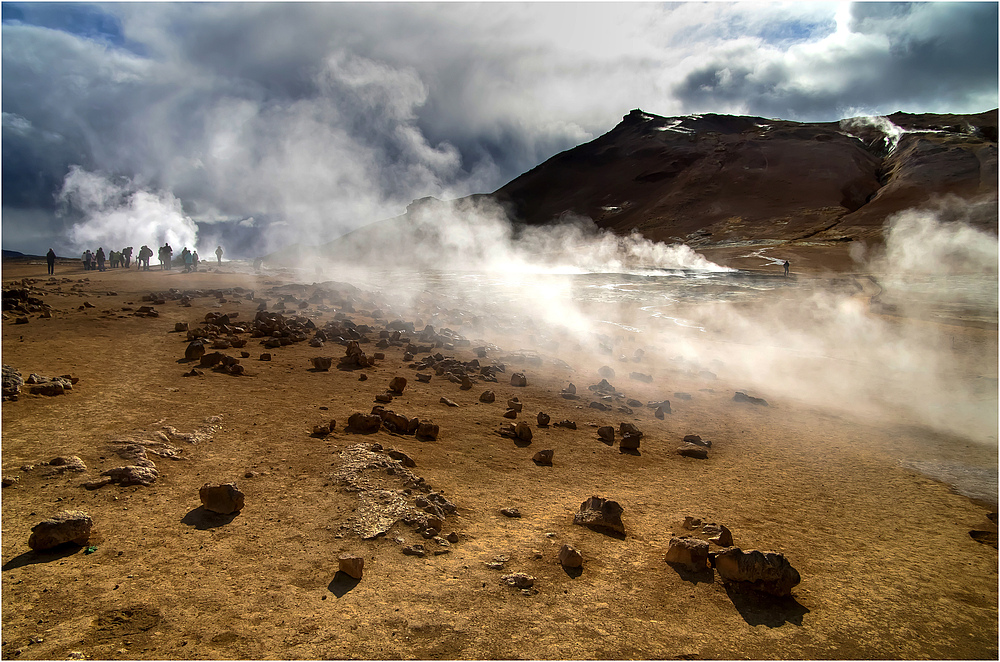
(888, 566)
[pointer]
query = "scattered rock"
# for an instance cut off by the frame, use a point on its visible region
(266, 356)
(195, 350)
(223, 498)
(768, 572)
(630, 442)
(695, 439)
(132, 475)
(523, 431)
(518, 580)
(414, 550)
(690, 553)
(423, 378)
(383, 398)
(662, 409)
(69, 463)
(518, 379)
(322, 363)
(397, 384)
(12, 382)
(364, 423)
(607, 434)
(543, 419)
(600, 406)
(446, 401)
(569, 425)
(97, 483)
(600, 514)
(510, 512)
(570, 390)
(402, 457)
(640, 377)
(510, 413)
(606, 371)
(514, 404)
(488, 397)
(544, 457)
(743, 397)
(426, 430)
(351, 565)
(570, 557)
(693, 450)
(68, 526)
(193, 372)
(718, 535)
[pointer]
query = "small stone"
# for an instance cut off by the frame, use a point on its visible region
(695, 439)
(383, 397)
(351, 565)
(544, 457)
(518, 580)
(693, 450)
(414, 550)
(195, 350)
(569, 425)
(223, 498)
(397, 384)
(266, 356)
(510, 413)
(570, 557)
(427, 430)
(452, 537)
(446, 401)
(510, 512)
(322, 363)
(488, 397)
(423, 378)
(740, 396)
(515, 404)
(518, 379)
(543, 419)
(523, 431)
(606, 433)
(606, 371)
(132, 475)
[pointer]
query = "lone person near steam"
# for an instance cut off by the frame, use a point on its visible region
(218, 254)
(50, 258)
(786, 265)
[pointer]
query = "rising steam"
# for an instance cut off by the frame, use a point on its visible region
(116, 214)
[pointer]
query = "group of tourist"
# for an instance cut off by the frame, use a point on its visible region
(100, 261)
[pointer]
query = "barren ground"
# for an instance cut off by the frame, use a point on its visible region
(888, 566)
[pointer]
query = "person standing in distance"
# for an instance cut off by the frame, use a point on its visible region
(50, 258)
(786, 265)
(218, 255)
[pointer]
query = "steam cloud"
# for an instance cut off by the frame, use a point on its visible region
(120, 214)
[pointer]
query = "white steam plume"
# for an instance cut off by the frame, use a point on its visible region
(120, 214)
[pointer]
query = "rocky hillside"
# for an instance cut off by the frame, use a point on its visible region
(711, 181)
(710, 178)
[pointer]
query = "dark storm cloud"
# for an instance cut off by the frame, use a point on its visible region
(923, 57)
(315, 118)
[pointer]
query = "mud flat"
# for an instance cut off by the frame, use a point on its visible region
(893, 564)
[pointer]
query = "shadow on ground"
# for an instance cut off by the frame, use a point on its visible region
(203, 519)
(763, 609)
(342, 583)
(45, 556)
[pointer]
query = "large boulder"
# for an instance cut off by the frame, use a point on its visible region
(600, 514)
(68, 526)
(224, 498)
(768, 572)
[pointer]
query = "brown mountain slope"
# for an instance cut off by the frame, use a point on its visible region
(714, 178)
(716, 181)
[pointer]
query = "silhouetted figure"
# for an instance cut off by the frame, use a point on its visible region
(194, 261)
(168, 253)
(218, 255)
(186, 259)
(127, 255)
(100, 258)
(50, 259)
(256, 264)
(145, 252)
(88, 260)
(786, 265)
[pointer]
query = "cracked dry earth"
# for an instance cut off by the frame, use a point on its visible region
(889, 568)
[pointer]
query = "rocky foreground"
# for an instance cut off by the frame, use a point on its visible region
(222, 466)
